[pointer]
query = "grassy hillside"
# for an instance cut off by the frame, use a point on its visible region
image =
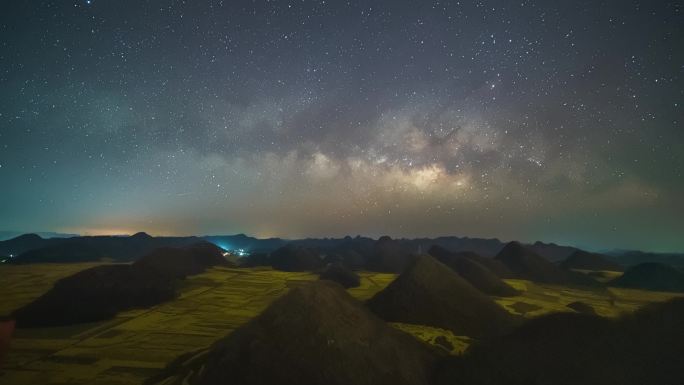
(21, 284)
(137, 343)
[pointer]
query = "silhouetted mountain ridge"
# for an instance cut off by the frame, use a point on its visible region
(635, 257)
(6, 235)
(129, 248)
(384, 254)
(90, 248)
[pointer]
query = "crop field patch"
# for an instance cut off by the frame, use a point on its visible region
(523, 308)
(536, 299)
(441, 338)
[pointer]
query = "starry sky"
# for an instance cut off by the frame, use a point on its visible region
(529, 120)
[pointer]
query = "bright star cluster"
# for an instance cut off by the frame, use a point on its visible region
(529, 120)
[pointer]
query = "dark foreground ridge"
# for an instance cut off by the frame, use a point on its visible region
(315, 334)
(580, 349)
(101, 292)
(430, 293)
(652, 276)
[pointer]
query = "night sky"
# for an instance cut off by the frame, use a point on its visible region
(529, 120)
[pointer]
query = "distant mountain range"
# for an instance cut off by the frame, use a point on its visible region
(31, 248)
(635, 257)
(9, 234)
(56, 247)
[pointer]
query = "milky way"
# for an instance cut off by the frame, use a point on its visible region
(558, 121)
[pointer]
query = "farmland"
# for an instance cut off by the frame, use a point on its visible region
(130, 347)
(137, 343)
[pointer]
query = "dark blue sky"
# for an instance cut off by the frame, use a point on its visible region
(559, 121)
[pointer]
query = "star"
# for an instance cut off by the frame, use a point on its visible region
(306, 115)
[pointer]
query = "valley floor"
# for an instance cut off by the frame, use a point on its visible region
(136, 344)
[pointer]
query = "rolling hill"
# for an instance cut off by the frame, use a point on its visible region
(430, 293)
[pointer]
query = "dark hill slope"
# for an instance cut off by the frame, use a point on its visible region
(242, 241)
(652, 276)
(430, 293)
(100, 292)
(295, 258)
(635, 257)
(315, 334)
(339, 273)
(579, 349)
(526, 264)
(389, 256)
(552, 251)
(467, 265)
(181, 262)
(493, 265)
(479, 276)
(95, 294)
(23, 243)
(583, 260)
(255, 260)
(349, 258)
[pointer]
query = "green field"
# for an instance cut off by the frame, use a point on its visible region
(137, 343)
(536, 299)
